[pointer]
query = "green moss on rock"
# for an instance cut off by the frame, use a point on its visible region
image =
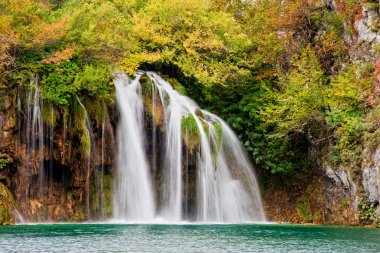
(176, 85)
(85, 141)
(7, 204)
(5, 160)
(190, 131)
(303, 209)
(107, 195)
(156, 112)
(219, 131)
(217, 140)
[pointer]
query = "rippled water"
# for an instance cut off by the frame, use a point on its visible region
(186, 238)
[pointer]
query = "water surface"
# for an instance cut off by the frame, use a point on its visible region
(186, 238)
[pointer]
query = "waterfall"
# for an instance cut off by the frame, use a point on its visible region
(226, 187)
(172, 185)
(35, 133)
(102, 171)
(223, 198)
(51, 148)
(133, 191)
(220, 196)
(89, 133)
(234, 156)
(154, 129)
(174, 160)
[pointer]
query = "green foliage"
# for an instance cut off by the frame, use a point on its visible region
(301, 95)
(4, 161)
(7, 204)
(146, 86)
(177, 86)
(294, 105)
(189, 124)
(203, 42)
(276, 71)
(96, 109)
(216, 140)
(192, 37)
(85, 142)
(303, 209)
(58, 82)
(347, 111)
(368, 212)
(100, 29)
(107, 194)
(218, 130)
(190, 131)
(95, 80)
(372, 135)
(62, 82)
(241, 105)
(84, 136)
(49, 115)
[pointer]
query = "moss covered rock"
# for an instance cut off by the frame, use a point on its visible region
(190, 132)
(7, 204)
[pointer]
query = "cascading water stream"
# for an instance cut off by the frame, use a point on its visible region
(134, 199)
(172, 186)
(207, 188)
(226, 187)
(154, 129)
(51, 149)
(220, 198)
(35, 132)
(88, 173)
(235, 157)
(102, 171)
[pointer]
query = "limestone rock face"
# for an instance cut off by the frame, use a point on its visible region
(371, 179)
(367, 27)
(365, 34)
(340, 178)
(339, 191)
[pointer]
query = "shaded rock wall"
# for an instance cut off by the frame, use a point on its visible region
(60, 194)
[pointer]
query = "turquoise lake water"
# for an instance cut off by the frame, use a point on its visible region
(186, 238)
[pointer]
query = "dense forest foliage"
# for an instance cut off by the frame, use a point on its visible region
(279, 72)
